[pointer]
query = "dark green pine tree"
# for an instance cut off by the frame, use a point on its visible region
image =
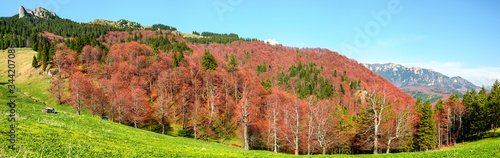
(40, 50)
(494, 105)
(477, 112)
(482, 112)
(439, 106)
(180, 58)
(51, 52)
(342, 89)
(232, 65)
(438, 110)
(208, 61)
(468, 101)
(176, 60)
(418, 105)
(34, 63)
(427, 128)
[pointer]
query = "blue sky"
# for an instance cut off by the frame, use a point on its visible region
(456, 38)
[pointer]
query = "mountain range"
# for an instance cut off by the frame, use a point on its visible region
(422, 83)
(402, 76)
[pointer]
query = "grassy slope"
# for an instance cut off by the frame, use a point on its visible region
(66, 134)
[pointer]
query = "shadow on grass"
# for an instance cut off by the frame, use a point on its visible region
(484, 135)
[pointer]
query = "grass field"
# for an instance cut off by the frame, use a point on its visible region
(68, 135)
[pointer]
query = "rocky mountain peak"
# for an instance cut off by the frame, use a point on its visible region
(38, 12)
(402, 76)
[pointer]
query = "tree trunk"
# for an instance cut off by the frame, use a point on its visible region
(275, 143)
(309, 134)
(211, 113)
(119, 113)
(245, 114)
(183, 116)
(448, 135)
(308, 148)
(275, 131)
(297, 121)
(296, 145)
(150, 86)
(184, 110)
(163, 129)
(196, 107)
(439, 135)
(195, 134)
(162, 121)
(245, 136)
(388, 146)
(78, 103)
(375, 140)
(324, 150)
(460, 128)
(494, 131)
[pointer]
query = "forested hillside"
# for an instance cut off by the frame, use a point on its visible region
(277, 98)
(215, 90)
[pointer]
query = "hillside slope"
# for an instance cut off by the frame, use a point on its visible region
(68, 135)
(431, 93)
(333, 65)
(118, 72)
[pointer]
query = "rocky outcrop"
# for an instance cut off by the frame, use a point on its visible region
(125, 24)
(38, 12)
(22, 12)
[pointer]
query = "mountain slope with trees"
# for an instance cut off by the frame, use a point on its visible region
(269, 97)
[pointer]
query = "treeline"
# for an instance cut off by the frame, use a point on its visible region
(17, 32)
(158, 40)
(161, 27)
(210, 37)
(470, 118)
(29, 32)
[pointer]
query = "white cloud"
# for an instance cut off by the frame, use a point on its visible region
(479, 76)
(271, 41)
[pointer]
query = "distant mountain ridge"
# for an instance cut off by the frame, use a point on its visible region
(119, 24)
(402, 76)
